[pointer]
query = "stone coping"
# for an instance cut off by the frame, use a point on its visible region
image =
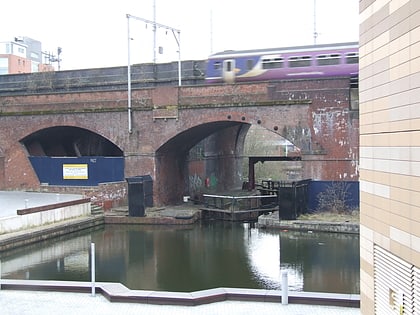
(116, 292)
(163, 220)
(28, 236)
(272, 221)
(319, 226)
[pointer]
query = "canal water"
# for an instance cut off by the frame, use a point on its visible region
(195, 257)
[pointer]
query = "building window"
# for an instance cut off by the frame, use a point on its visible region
(4, 66)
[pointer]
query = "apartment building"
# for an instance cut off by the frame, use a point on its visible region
(22, 55)
(389, 87)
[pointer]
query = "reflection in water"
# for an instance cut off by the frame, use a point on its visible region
(264, 258)
(196, 257)
(315, 262)
(55, 257)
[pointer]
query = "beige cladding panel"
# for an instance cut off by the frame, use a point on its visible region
(389, 135)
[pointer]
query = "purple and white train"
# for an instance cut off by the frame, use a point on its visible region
(284, 63)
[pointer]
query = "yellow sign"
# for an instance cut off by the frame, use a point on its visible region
(75, 171)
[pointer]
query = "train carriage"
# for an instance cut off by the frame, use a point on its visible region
(284, 63)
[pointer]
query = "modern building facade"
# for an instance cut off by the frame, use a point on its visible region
(390, 156)
(23, 55)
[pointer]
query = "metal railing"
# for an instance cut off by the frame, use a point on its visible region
(232, 204)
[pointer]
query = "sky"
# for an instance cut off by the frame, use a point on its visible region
(94, 33)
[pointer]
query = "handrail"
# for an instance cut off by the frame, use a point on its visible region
(232, 203)
(238, 197)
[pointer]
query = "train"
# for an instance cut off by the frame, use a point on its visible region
(301, 62)
(329, 60)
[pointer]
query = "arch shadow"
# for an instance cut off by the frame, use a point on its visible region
(73, 156)
(172, 158)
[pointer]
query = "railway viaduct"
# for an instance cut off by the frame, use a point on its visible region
(154, 136)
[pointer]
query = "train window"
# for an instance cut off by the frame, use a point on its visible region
(273, 63)
(300, 61)
(352, 58)
(228, 66)
(327, 60)
(250, 64)
(266, 63)
(217, 65)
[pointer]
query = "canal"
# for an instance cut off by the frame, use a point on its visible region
(194, 257)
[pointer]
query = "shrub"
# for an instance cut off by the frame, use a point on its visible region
(335, 198)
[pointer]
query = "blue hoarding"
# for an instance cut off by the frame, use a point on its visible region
(316, 187)
(78, 171)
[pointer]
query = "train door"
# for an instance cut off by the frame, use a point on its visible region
(228, 71)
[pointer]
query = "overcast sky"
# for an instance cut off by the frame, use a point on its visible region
(93, 33)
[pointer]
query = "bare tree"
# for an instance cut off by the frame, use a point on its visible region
(335, 198)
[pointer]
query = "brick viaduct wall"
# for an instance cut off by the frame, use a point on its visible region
(313, 114)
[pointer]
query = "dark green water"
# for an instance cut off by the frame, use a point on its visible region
(196, 257)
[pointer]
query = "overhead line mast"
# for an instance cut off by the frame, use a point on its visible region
(315, 32)
(177, 36)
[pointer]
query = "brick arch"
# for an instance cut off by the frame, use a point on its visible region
(289, 122)
(17, 169)
(67, 140)
(84, 123)
(312, 114)
(171, 158)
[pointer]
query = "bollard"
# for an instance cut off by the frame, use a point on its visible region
(26, 203)
(92, 270)
(284, 288)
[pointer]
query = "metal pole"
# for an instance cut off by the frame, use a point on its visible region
(92, 269)
(232, 209)
(154, 31)
(211, 31)
(177, 39)
(315, 32)
(179, 58)
(129, 76)
(284, 288)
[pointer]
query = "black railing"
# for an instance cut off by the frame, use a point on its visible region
(292, 196)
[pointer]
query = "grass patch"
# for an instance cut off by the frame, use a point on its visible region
(326, 216)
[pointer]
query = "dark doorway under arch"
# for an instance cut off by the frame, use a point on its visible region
(72, 156)
(172, 158)
(69, 141)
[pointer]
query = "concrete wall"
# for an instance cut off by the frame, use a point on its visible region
(43, 215)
